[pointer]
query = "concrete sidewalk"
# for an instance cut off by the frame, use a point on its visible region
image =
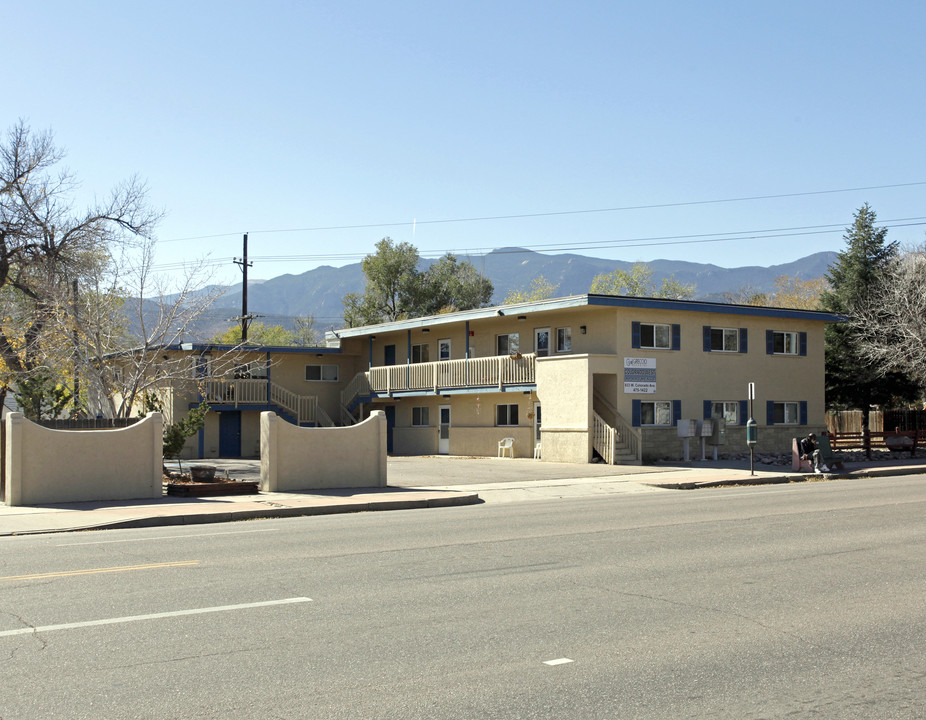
(468, 481)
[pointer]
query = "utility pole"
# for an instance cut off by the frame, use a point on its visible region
(76, 337)
(244, 265)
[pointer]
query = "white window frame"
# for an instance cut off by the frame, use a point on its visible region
(421, 353)
(424, 416)
(507, 415)
(564, 339)
(511, 339)
(325, 372)
(785, 335)
(659, 407)
(668, 330)
(726, 334)
(538, 351)
(729, 411)
(784, 413)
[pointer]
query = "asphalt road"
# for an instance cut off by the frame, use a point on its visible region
(802, 600)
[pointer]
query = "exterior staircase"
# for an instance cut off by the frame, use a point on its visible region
(616, 442)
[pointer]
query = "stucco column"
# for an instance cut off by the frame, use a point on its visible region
(14, 459)
(269, 451)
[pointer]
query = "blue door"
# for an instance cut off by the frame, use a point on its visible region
(389, 353)
(230, 434)
(390, 425)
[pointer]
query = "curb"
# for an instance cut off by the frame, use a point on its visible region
(795, 478)
(273, 512)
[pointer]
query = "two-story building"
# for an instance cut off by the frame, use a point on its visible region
(568, 378)
(571, 378)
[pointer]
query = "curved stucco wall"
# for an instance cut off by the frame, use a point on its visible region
(55, 466)
(301, 458)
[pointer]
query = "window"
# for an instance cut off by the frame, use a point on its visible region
(258, 370)
(420, 417)
(443, 349)
(563, 339)
(785, 343)
(655, 412)
(509, 344)
(506, 415)
(202, 365)
(729, 411)
(322, 373)
(656, 336)
(724, 340)
(420, 353)
(786, 413)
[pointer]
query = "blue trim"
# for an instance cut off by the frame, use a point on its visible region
(466, 356)
(590, 300)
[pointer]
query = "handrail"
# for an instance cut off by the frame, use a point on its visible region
(493, 371)
(358, 385)
(603, 438)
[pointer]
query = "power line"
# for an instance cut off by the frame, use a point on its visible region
(655, 206)
(655, 241)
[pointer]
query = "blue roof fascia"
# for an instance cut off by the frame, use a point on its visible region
(712, 307)
(589, 300)
(463, 315)
(297, 350)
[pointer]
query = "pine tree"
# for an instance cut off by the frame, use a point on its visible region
(851, 382)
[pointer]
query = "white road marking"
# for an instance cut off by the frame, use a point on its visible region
(558, 661)
(154, 616)
(165, 537)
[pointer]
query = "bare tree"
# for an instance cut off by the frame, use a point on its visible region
(890, 321)
(45, 245)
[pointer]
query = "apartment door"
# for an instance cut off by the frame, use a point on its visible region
(542, 341)
(536, 424)
(390, 426)
(230, 434)
(443, 437)
(389, 355)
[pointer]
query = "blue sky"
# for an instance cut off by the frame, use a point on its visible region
(281, 118)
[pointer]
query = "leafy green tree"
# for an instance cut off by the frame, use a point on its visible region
(851, 380)
(638, 282)
(396, 289)
(41, 396)
(258, 334)
(539, 289)
(175, 434)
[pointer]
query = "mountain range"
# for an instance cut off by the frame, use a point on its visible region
(318, 292)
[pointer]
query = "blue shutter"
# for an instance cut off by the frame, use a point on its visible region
(676, 337)
(769, 342)
(676, 412)
(803, 342)
(803, 411)
(707, 338)
(708, 406)
(770, 412)
(744, 411)
(635, 413)
(743, 343)
(635, 335)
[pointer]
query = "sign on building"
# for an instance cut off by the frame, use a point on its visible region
(639, 375)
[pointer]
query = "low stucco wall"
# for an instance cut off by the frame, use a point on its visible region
(301, 458)
(56, 466)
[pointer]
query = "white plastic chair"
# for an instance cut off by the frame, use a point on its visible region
(506, 446)
(537, 451)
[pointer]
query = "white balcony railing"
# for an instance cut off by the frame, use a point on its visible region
(229, 391)
(447, 374)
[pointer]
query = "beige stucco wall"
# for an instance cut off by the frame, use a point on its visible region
(297, 458)
(56, 466)
(414, 440)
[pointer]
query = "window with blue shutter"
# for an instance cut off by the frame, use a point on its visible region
(676, 337)
(635, 334)
(676, 411)
(707, 338)
(743, 343)
(708, 409)
(803, 343)
(744, 411)
(770, 412)
(635, 413)
(803, 412)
